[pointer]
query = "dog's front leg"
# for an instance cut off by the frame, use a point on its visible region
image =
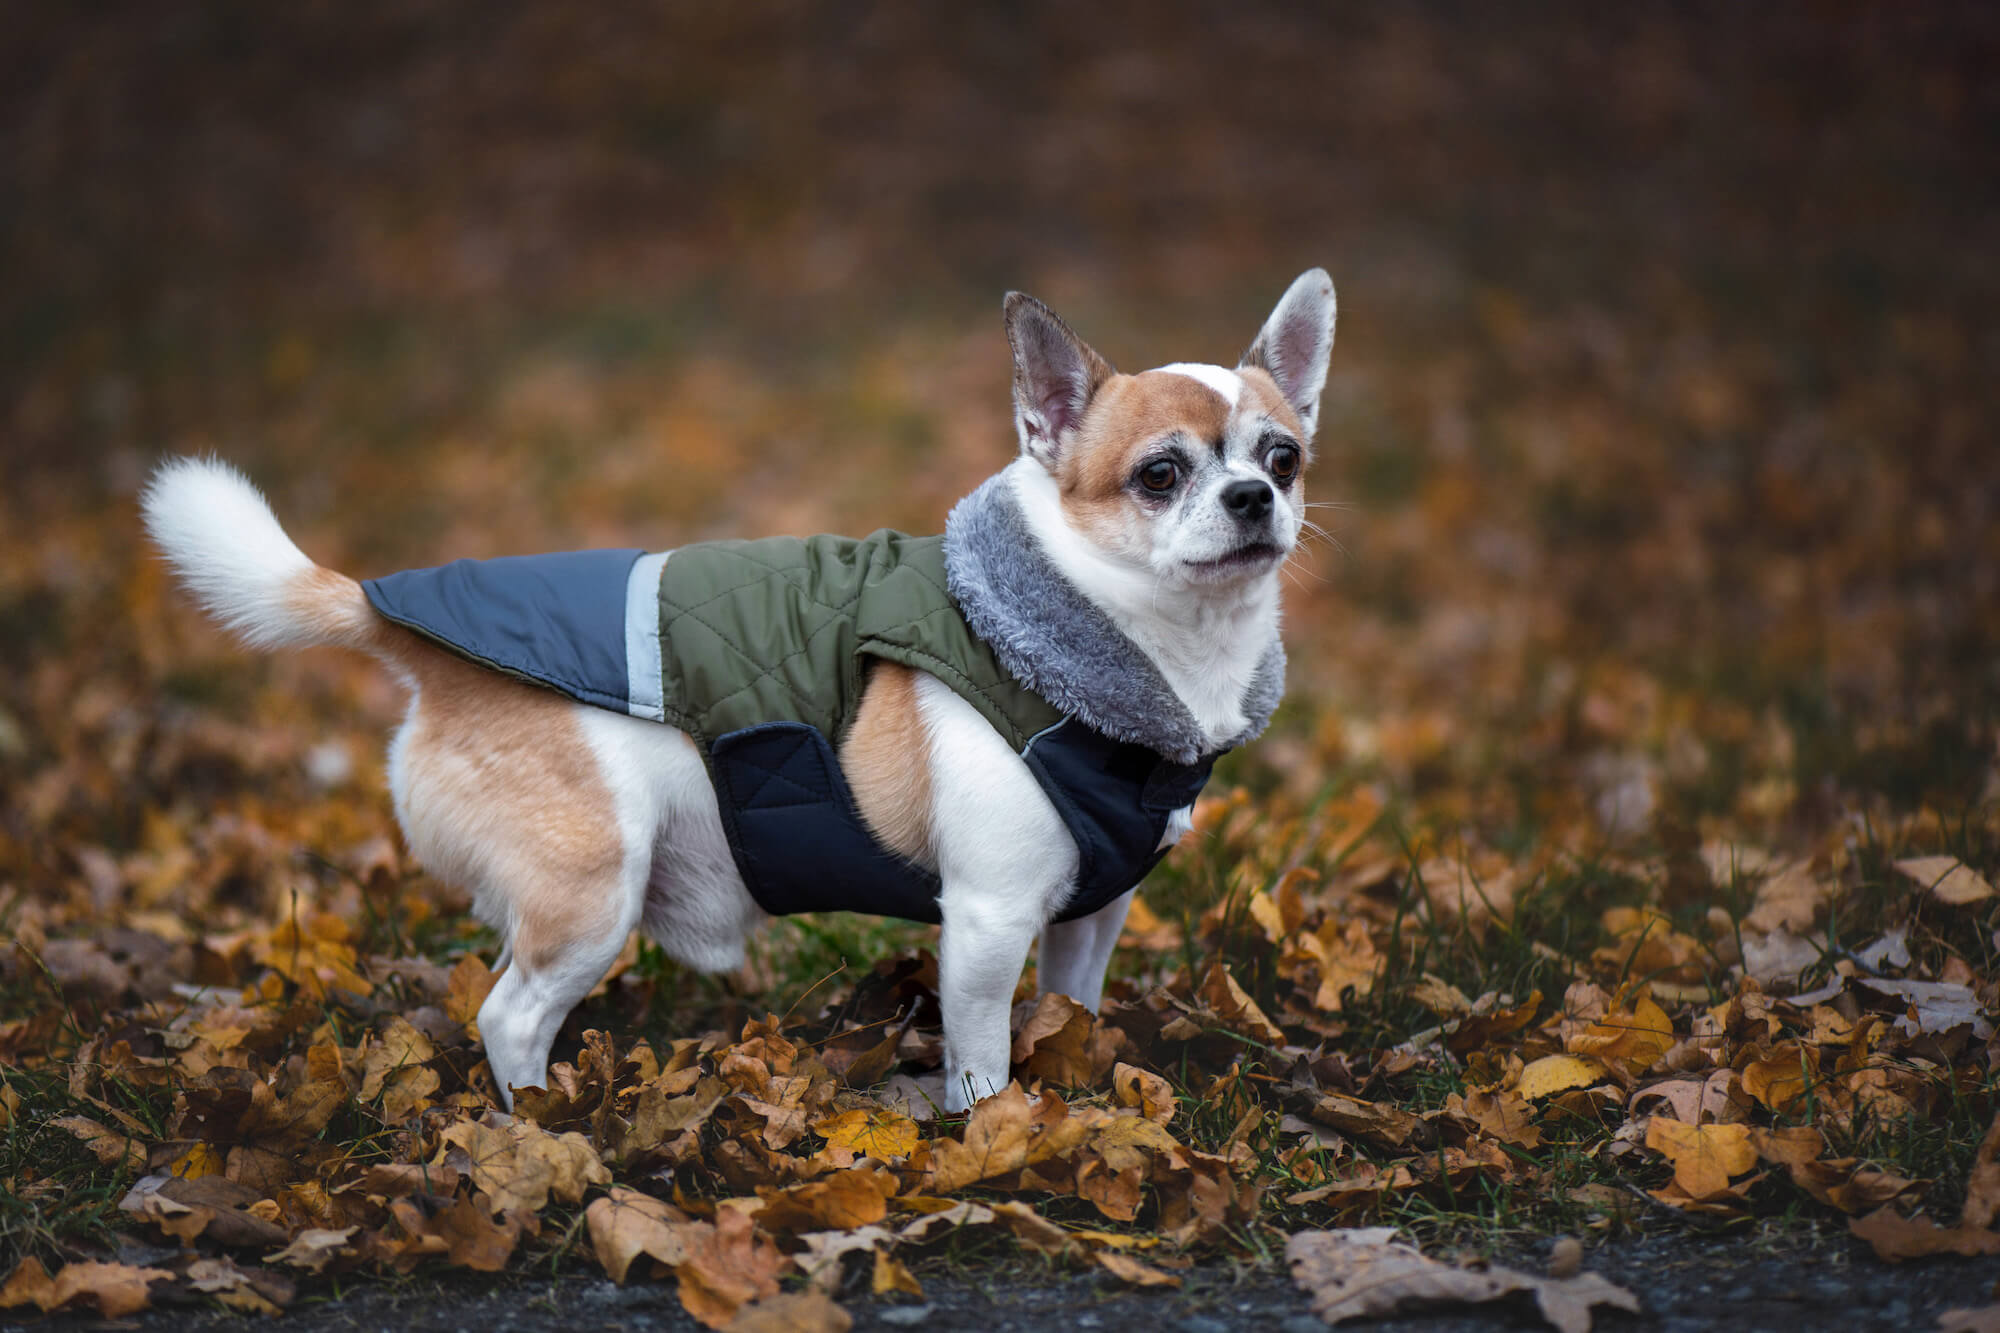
(1007, 862)
(981, 949)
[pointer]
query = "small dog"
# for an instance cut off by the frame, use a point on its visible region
(1001, 729)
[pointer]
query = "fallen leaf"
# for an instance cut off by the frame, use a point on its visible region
(519, 1164)
(1704, 1157)
(1233, 1006)
(1982, 1187)
(625, 1224)
(725, 1266)
(111, 1147)
(313, 1248)
(1558, 1073)
(116, 1290)
(871, 1131)
(1949, 879)
(1895, 1237)
(1362, 1274)
(1150, 1094)
(1134, 1273)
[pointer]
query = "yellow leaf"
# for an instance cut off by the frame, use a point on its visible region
(1558, 1073)
(1782, 1077)
(199, 1160)
(1634, 1039)
(877, 1132)
(1704, 1156)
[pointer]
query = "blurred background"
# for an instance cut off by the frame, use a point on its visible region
(1662, 405)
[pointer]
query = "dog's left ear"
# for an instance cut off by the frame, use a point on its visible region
(1295, 343)
(1056, 374)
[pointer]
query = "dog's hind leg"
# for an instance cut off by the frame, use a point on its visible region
(554, 966)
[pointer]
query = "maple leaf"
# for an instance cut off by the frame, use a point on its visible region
(625, 1224)
(1704, 1157)
(841, 1200)
(876, 1132)
(519, 1164)
(1368, 1274)
(1631, 1039)
(725, 1266)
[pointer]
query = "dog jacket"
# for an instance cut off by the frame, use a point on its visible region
(758, 650)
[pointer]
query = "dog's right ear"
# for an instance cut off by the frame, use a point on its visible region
(1056, 374)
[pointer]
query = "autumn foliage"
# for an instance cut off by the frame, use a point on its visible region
(1623, 857)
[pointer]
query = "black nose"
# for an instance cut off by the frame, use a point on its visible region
(1248, 500)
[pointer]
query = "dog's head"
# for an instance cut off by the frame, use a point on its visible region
(1190, 475)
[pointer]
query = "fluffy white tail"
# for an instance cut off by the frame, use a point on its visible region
(222, 539)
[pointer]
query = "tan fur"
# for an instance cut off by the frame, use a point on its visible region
(504, 791)
(885, 760)
(1129, 414)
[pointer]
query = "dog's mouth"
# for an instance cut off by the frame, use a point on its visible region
(1244, 559)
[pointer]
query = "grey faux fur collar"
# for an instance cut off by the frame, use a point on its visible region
(1062, 646)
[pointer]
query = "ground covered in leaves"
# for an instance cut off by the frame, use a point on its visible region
(1620, 870)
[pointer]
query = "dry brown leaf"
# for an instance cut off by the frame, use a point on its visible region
(1131, 1271)
(1633, 1039)
(1233, 1006)
(1003, 1135)
(1781, 1077)
(1150, 1094)
(1896, 1238)
(1368, 1274)
(520, 1164)
(111, 1147)
(839, 1201)
(625, 1224)
(314, 1248)
(1055, 1043)
(1385, 1126)
(1704, 1156)
(465, 990)
(1504, 1116)
(1982, 1188)
(725, 1266)
(116, 1290)
(1949, 879)
(253, 1291)
(1985, 1319)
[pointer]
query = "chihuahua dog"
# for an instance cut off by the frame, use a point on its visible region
(1000, 729)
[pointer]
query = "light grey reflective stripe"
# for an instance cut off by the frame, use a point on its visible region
(643, 696)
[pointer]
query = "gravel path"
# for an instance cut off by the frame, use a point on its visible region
(1684, 1283)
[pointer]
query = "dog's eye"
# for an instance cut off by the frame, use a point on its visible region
(1283, 462)
(1159, 476)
